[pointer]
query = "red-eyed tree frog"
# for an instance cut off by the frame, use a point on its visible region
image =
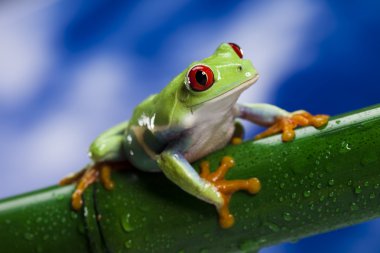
(191, 117)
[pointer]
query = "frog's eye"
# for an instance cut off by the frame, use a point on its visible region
(200, 78)
(237, 49)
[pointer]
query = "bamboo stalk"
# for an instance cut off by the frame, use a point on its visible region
(323, 180)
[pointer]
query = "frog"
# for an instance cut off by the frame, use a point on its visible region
(193, 116)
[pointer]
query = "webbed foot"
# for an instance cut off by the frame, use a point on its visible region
(227, 187)
(286, 125)
(85, 178)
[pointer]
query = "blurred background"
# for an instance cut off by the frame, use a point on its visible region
(70, 69)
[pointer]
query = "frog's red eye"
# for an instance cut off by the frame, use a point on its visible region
(200, 78)
(237, 49)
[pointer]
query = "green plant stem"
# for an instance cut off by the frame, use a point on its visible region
(323, 180)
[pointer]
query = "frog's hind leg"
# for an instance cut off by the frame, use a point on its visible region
(88, 176)
(227, 187)
(72, 177)
(85, 178)
(107, 152)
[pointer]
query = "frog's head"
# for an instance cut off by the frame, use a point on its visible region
(225, 74)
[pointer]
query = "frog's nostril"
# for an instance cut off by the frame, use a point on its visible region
(240, 68)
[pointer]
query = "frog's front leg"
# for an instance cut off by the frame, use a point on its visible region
(278, 119)
(210, 187)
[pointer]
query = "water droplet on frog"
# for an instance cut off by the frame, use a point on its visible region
(307, 193)
(331, 182)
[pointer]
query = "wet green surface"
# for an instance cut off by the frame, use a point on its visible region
(41, 221)
(323, 180)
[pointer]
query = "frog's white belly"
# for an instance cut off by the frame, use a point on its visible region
(205, 142)
(211, 129)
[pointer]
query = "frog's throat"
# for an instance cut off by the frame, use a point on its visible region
(238, 90)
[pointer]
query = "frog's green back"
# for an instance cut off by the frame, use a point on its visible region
(164, 107)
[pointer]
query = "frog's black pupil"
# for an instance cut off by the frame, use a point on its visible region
(201, 77)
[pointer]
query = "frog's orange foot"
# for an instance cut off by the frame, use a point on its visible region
(286, 125)
(227, 187)
(85, 178)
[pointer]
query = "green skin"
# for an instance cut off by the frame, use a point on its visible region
(171, 129)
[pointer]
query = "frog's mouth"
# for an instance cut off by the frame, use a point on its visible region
(232, 94)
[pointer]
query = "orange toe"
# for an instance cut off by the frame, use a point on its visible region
(227, 187)
(286, 125)
(85, 178)
(320, 120)
(84, 182)
(105, 177)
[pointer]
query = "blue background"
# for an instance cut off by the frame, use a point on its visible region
(69, 70)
